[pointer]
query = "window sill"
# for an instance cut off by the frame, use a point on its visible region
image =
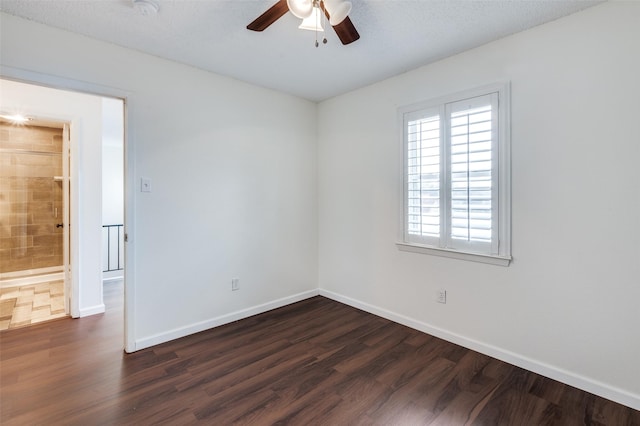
(454, 254)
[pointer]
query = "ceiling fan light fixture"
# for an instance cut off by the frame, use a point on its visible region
(338, 12)
(313, 22)
(300, 8)
(345, 30)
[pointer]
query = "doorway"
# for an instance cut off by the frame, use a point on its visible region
(84, 113)
(113, 236)
(112, 190)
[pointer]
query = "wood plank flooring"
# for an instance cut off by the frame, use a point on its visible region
(316, 362)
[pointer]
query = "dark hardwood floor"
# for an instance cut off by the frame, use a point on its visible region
(316, 362)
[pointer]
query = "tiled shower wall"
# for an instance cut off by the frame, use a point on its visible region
(30, 197)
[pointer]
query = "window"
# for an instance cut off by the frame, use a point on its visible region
(456, 176)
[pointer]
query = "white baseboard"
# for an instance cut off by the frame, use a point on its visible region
(177, 333)
(593, 386)
(113, 275)
(92, 310)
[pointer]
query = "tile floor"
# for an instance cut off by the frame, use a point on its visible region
(31, 304)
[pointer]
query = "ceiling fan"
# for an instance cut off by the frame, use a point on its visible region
(336, 11)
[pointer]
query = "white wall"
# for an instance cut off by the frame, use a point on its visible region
(84, 112)
(233, 171)
(568, 304)
(113, 194)
(112, 161)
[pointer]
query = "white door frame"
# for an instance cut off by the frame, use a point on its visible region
(55, 82)
(66, 207)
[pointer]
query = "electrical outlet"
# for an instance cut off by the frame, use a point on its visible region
(441, 296)
(235, 284)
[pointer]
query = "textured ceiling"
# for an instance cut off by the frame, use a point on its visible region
(396, 36)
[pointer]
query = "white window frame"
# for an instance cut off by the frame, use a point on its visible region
(498, 251)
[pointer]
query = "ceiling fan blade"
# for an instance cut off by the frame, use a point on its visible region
(272, 14)
(346, 31)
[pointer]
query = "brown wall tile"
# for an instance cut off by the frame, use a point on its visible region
(29, 196)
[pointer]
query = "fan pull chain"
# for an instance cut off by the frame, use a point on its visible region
(324, 23)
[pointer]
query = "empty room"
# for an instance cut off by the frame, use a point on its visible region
(335, 212)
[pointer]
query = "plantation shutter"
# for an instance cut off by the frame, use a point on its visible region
(423, 177)
(472, 185)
